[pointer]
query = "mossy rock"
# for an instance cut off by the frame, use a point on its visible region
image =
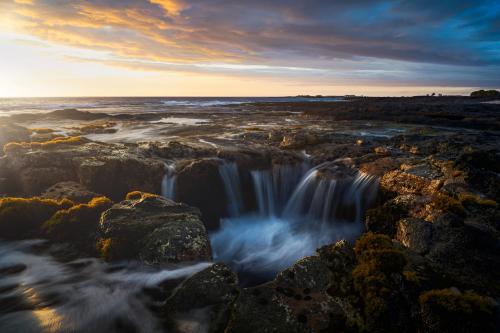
(22, 218)
(78, 223)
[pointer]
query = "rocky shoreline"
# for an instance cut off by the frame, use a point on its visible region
(427, 258)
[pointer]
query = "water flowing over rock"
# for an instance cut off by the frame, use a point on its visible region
(297, 211)
(231, 180)
(168, 182)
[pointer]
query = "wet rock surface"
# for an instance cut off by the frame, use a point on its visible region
(153, 230)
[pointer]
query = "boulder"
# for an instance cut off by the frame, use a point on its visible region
(154, 230)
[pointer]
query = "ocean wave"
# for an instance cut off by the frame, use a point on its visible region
(201, 103)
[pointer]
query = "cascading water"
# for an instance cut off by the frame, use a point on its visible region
(168, 182)
(232, 186)
(298, 210)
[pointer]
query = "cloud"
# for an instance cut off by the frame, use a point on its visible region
(318, 34)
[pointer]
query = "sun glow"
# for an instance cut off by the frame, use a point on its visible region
(173, 47)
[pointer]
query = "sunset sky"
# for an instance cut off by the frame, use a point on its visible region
(247, 47)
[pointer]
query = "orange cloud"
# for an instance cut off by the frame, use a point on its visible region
(171, 6)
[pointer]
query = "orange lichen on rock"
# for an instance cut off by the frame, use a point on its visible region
(22, 217)
(378, 263)
(76, 222)
(138, 195)
(17, 146)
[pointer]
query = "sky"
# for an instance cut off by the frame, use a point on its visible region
(247, 47)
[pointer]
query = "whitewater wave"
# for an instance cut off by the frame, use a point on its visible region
(202, 103)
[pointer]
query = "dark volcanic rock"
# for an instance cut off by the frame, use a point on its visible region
(115, 176)
(307, 297)
(154, 230)
(212, 290)
(416, 234)
(109, 169)
(73, 191)
(175, 150)
(199, 184)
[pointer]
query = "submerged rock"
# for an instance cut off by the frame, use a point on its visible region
(154, 230)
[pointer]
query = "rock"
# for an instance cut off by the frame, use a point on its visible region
(212, 290)
(71, 190)
(301, 298)
(383, 219)
(154, 230)
(249, 159)
(300, 140)
(75, 114)
(115, 176)
(382, 151)
(330, 152)
(380, 166)
(12, 133)
(109, 169)
(415, 234)
(199, 184)
(340, 259)
(477, 253)
(400, 182)
(482, 169)
(449, 310)
(214, 285)
(35, 179)
(175, 150)
(424, 170)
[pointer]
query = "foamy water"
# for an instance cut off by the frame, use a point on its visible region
(181, 121)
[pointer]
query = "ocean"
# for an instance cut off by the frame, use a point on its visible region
(112, 105)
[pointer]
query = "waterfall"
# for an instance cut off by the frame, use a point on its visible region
(232, 186)
(168, 181)
(264, 190)
(298, 210)
(328, 199)
(274, 187)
